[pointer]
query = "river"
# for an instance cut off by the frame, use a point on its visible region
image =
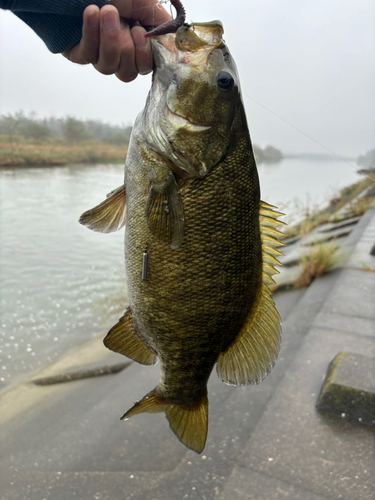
(59, 280)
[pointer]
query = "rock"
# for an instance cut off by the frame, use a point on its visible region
(83, 373)
(348, 390)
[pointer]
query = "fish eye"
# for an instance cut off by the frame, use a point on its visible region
(225, 80)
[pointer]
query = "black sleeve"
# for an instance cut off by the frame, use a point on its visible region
(57, 22)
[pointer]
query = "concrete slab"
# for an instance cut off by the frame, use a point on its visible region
(354, 295)
(73, 441)
(345, 323)
(294, 443)
(362, 230)
(245, 484)
(316, 237)
(287, 300)
(66, 440)
(348, 390)
(329, 226)
(361, 253)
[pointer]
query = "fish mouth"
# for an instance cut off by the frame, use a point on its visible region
(181, 122)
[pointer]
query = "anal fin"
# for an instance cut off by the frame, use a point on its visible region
(123, 339)
(189, 422)
(109, 215)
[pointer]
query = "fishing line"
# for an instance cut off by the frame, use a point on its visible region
(158, 5)
(303, 133)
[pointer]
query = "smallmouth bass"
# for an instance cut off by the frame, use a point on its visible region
(200, 245)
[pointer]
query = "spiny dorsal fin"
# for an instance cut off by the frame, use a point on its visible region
(165, 211)
(109, 215)
(188, 422)
(122, 338)
(252, 355)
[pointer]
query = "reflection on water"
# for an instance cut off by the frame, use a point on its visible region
(53, 270)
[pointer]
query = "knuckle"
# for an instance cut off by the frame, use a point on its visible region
(126, 77)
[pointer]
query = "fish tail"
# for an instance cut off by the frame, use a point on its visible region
(188, 421)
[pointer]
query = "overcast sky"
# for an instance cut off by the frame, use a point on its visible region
(311, 62)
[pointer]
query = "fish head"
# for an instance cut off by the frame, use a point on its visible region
(195, 92)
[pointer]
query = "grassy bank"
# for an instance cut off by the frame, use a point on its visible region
(348, 196)
(26, 152)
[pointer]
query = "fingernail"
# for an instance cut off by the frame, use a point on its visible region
(140, 41)
(93, 19)
(111, 20)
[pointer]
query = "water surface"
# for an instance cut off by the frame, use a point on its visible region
(56, 274)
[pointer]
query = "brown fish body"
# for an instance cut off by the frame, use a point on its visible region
(193, 206)
(196, 297)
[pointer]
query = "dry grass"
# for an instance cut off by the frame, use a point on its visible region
(54, 152)
(313, 217)
(365, 267)
(321, 258)
(360, 206)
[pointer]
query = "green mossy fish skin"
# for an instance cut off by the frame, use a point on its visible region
(193, 200)
(196, 297)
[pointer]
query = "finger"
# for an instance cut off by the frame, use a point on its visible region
(86, 51)
(143, 55)
(90, 35)
(148, 12)
(127, 70)
(110, 33)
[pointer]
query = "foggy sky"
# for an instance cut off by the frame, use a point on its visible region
(310, 62)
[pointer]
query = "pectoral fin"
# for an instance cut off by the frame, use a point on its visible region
(109, 215)
(165, 211)
(122, 338)
(252, 355)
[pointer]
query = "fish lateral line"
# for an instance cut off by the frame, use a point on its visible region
(145, 263)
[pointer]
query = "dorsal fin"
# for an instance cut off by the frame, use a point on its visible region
(252, 355)
(109, 215)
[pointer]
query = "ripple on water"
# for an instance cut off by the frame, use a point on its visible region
(55, 270)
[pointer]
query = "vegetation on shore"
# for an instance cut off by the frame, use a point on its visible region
(323, 256)
(318, 260)
(267, 155)
(27, 140)
(26, 152)
(331, 213)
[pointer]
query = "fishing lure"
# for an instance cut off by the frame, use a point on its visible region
(170, 26)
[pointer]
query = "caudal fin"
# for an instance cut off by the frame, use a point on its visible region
(189, 422)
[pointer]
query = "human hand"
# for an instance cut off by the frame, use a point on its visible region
(113, 39)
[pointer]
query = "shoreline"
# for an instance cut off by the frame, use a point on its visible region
(332, 214)
(59, 153)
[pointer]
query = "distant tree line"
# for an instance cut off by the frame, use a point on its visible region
(69, 129)
(267, 155)
(367, 160)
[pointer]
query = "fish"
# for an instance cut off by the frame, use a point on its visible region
(200, 245)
